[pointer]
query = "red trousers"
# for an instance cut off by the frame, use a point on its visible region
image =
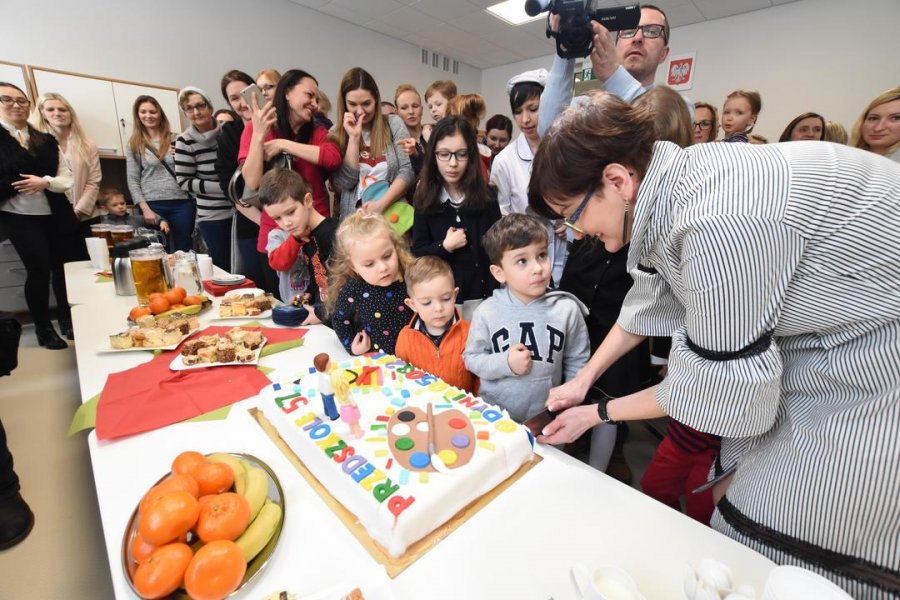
(673, 473)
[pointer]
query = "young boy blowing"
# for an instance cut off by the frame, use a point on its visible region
(300, 247)
(436, 335)
(113, 200)
(523, 339)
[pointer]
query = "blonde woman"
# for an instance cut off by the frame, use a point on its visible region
(150, 171)
(266, 80)
(706, 122)
(409, 108)
(375, 173)
(878, 127)
(56, 116)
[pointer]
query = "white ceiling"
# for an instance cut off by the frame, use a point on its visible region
(462, 29)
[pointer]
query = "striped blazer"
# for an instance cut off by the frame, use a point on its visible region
(776, 271)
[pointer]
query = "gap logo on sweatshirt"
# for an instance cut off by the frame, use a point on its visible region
(554, 340)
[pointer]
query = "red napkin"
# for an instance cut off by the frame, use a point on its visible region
(151, 395)
(220, 290)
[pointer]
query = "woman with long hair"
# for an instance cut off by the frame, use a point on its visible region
(808, 126)
(472, 108)
(55, 115)
(150, 170)
(455, 207)
(878, 127)
(35, 213)
(375, 172)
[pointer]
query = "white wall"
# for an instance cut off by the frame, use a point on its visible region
(173, 43)
(826, 56)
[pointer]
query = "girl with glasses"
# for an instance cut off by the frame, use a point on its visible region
(455, 207)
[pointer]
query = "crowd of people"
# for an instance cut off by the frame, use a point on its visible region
(544, 269)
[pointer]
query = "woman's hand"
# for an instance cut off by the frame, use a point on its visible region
(353, 124)
(568, 394)
(408, 146)
(376, 206)
(149, 216)
(273, 148)
(30, 184)
(560, 230)
(361, 343)
(263, 119)
(311, 319)
(455, 239)
(570, 424)
(164, 227)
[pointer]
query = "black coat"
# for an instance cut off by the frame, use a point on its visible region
(600, 279)
(470, 264)
(41, 160)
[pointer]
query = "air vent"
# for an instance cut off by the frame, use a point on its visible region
(446, 63)
(456, 67)
(425, 57)
(434, 59)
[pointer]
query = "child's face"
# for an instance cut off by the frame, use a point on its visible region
(453, 169)
(737, 116)
(525, 271)
(292, 215)
(374, 258)
(116, 206)
(435, 302)
(437, 105)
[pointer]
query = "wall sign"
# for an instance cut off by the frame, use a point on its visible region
(680, 71)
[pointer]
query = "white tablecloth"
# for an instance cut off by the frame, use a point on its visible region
(522, 545)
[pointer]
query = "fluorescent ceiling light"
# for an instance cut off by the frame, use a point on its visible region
(513, 12)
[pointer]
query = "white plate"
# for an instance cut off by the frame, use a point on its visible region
(109, 350)
(263, 315)
(244, 291)
(229, 279)
(178, 365)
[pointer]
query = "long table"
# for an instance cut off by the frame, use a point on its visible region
(522, 545)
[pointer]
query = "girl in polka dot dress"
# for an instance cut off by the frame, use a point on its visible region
(366, 289)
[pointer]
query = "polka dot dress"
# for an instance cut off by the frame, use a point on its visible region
(379, 310)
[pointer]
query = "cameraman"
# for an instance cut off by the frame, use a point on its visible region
(625, 68)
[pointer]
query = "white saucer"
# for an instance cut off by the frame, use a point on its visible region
(229, 280)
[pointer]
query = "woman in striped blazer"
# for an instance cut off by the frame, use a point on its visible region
(774, 270)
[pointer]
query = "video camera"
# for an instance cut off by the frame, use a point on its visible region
(575, 38)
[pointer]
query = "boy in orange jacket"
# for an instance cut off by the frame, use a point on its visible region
(436, 335)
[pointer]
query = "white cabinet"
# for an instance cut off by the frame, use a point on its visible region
(104, 106)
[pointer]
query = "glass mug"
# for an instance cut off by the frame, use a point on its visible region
(148, 269)
(186, 272)
(121, 233)
(102, 230)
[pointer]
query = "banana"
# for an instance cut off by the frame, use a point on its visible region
(260, 531)
(256, 490)
(240, 477)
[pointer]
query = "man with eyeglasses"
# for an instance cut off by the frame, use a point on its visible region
(626, 67)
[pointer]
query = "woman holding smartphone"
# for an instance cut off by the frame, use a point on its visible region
(55, 115)
(375, 173)
(150, 170)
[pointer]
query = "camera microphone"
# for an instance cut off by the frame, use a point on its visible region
(535, 7)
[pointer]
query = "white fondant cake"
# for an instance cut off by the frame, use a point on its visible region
(400, 482)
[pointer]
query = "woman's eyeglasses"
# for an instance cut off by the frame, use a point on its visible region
(444, 155)
(570, 222)
(704, 124)
(9, 101)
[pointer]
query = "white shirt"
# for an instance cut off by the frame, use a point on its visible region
(510, 174)
(35, 204)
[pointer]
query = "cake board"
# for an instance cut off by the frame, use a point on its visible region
(392, 565)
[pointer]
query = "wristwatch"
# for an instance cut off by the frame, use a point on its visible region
(603, 414)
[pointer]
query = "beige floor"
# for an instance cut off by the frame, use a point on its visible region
(65, 557)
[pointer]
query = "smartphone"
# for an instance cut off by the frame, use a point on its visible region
(537, 423)
(253, 90)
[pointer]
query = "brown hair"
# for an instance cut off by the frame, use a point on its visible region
(272, 74)
(358, 78)
(232, 76)
(714, 128)
(755, 101)
(786, 134)
(320, 361)
(405, 87)
(671, 117)
(582, 142)
(514, 231)
(357, 225)
(470, 107)
(279, 184)
(324, 103)
(856, 140)
(140, 137)
(108, 193)
(426, 268)
(835, 132)
(755, 138)
(444, 87)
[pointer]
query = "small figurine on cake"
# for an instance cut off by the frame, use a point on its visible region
(349, 410)
(322, 363)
